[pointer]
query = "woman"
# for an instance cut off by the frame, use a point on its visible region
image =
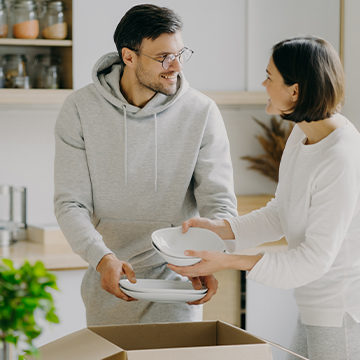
(316, 205)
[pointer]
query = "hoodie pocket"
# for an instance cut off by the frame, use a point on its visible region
(131, 240)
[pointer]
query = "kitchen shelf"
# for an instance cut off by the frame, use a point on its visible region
(61, 49)
(35, 42)
(33, 96)
(230, 98)
(45, 96)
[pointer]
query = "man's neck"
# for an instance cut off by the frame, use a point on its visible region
(135, 93)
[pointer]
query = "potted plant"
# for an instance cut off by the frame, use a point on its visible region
(273, 143)
(24, 301)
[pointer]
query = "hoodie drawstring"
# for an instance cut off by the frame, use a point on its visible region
(156, 151)
(125, 145)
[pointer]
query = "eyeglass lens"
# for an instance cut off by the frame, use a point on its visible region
(184, 56)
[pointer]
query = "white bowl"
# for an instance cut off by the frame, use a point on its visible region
(178, 261)
(171, 241)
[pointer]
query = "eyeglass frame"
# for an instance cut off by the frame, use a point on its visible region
(165, 56)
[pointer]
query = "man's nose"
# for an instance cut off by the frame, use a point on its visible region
(175, 65)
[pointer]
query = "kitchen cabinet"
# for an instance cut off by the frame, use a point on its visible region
(69, 307)
(61, 49)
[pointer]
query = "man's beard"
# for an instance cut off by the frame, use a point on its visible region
(143, 78)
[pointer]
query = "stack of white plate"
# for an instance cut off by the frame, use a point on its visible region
(157, 290)
(171, 243)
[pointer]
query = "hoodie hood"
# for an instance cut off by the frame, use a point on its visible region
(106, 76)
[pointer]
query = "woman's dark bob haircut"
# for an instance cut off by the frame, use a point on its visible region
(144, 22)
(315, 66)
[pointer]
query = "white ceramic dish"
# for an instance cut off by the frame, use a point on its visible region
(177, 257)
(173, 242)
(178, 261)
(161, 286)
(163, 297)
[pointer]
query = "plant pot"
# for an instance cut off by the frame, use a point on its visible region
(7, 351)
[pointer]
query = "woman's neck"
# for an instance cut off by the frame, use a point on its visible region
(315, 131)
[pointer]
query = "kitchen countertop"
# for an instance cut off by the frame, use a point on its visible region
(61, 257)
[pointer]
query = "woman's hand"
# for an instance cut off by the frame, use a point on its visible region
(213, 261)
(220, 227)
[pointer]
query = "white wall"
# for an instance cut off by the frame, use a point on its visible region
(352, 60)
(276, 20)
(207, 25)
(27, 153)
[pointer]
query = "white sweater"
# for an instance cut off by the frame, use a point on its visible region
(317, 208)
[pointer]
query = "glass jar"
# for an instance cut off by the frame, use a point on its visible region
(3, 20)
(15, 68)
(2, 77)
(54, 24)
(46, 72)
(42, 8)
(26, 22)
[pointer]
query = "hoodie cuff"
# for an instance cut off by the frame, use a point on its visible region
(96, 252)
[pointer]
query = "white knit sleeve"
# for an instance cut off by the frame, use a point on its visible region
(334, 203)
(257, 227)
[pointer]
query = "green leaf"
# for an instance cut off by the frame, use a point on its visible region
(9, 263)
(52, 317)
(11, 339)
(24, 292)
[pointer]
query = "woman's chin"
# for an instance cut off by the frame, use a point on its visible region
(270, 109)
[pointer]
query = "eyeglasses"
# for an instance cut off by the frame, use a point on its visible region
(184, 56)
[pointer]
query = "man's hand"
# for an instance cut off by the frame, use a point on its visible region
(111, 269)
(208, 281)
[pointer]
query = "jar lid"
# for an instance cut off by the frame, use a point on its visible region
(30, 4)
(46, 59)
(14, 56)
(58, 5)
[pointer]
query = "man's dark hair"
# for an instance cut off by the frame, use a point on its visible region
(144, 22)
(315, 66)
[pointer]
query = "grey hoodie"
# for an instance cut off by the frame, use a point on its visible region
(122, 172)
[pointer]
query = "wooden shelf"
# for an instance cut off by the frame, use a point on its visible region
(45, 96)
(230, 98)
(33, 96)
(35, 42)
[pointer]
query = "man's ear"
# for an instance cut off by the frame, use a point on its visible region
(294, 92)
(128, 56)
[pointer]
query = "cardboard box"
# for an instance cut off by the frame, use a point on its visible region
(206, 340)
(48, 235)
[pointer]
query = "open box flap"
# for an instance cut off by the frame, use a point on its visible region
(231, 335)
(81, 345)
(158, 336)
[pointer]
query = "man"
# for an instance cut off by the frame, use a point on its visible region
(136, 151)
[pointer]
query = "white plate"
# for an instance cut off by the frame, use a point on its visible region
(171, 241)
(178, 261)
(163, 297)
(162, 286)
